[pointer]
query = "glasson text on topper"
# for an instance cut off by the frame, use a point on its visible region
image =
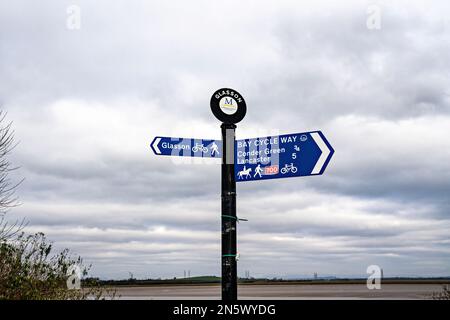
(228, 105)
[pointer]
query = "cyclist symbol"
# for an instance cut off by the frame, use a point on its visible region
(199, 147)
(289, 168)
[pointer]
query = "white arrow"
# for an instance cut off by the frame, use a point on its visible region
(155, 145)
(325, 152)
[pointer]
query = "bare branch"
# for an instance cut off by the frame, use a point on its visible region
(8, 199)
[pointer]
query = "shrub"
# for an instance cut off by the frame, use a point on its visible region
(29, 271)
(443, 295)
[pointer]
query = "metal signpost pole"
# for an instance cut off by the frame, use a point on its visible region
(229, 218)
(229, 107)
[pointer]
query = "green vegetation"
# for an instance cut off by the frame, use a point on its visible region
(29, 271)
(29, 268)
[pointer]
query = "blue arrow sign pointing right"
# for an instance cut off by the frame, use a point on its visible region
(285, 156)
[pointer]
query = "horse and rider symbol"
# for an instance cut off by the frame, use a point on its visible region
(246, 172)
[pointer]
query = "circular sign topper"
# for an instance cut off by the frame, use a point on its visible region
(228, 105)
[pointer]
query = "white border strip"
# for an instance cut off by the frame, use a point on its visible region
(325, 152)
(155, 145)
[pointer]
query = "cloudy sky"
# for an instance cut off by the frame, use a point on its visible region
(87, 93)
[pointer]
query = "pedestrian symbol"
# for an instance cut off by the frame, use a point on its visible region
(258, 171)
(214, 149)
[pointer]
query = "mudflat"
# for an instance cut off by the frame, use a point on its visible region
(292, 291)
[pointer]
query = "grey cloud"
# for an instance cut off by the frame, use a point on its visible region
(87, 103)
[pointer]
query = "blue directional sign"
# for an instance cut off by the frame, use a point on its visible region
(186, 147)
(289, 155)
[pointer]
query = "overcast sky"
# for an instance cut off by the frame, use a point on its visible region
(86, 102)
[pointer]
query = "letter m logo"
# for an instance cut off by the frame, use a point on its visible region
(228, 101)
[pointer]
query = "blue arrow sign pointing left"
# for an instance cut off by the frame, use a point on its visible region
(186, 147)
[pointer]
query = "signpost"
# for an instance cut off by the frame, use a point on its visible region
(284, 156)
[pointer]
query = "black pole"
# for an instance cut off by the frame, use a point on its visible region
(229, 218)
